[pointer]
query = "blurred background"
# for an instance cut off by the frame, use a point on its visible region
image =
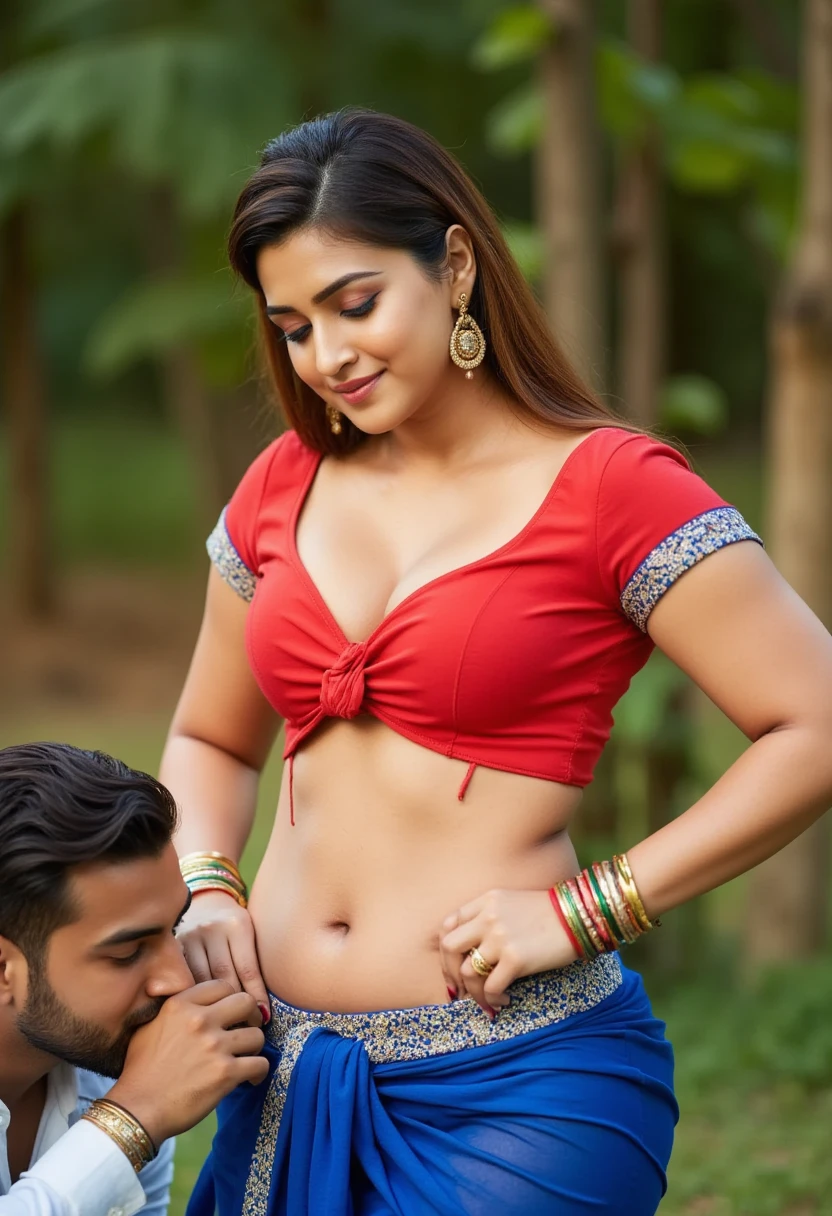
(664, 173)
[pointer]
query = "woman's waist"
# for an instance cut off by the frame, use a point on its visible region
(364, 935)
(419, 1031)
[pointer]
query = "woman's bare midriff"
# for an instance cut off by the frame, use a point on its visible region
(348, 904)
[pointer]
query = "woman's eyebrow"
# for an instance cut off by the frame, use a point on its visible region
(273, 309)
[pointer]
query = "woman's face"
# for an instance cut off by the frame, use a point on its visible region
(365, 328)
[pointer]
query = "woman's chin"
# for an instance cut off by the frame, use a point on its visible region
(380, 421)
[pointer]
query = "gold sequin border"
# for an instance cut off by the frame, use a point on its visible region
(677, 553)
(414, 1034)
(228, 562)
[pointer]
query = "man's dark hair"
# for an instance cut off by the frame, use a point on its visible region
(62, 807)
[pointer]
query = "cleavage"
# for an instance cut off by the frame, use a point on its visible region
(366, 548)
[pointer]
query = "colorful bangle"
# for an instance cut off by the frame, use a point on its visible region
(124, 1130)
(201, 870)
(571, 885)
(593, 907)
(609, 916)
(216, 884)
(209, 861)
(622, 916)
(572, 914)
(213, 872)
(567, 928)
(630, 890)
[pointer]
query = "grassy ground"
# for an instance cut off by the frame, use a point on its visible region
(754, 1067)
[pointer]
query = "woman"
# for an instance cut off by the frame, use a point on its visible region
(443, 578)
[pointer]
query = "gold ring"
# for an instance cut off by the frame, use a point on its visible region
(480, 965)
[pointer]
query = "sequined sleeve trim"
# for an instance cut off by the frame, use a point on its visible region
(228, 562)
(676, 554)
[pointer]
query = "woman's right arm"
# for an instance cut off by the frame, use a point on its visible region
(221, 735)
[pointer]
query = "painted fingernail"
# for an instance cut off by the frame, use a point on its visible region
(491, 1013)
(265, 1013)
(452, 994)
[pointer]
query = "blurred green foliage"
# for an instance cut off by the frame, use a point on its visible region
(104, 103)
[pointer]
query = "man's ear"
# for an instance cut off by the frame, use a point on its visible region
(14, 974)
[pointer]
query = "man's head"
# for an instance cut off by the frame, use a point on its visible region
(90, 896)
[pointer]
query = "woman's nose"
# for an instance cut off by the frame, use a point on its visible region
(332, 353)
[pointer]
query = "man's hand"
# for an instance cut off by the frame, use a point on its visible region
(204, 1042)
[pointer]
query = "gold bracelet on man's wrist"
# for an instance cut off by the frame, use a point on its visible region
(124, 1130)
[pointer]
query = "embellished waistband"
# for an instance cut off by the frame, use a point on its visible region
(392, 1035)
(430, 1030)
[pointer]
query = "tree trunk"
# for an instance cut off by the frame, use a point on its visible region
(763, 25)
(187, 397)
(638, 233)
(25, 393)
(787, 916)
(568, 187)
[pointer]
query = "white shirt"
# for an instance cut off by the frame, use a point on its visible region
(76, 1169)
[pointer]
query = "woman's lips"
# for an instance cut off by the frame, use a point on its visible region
(362, 391)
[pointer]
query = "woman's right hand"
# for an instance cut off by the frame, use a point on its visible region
(217, 939)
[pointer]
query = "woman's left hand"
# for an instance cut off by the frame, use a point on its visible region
(517, 932)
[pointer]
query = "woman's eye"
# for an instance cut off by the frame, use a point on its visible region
(363, 309)
(297, 335)
(360, 310)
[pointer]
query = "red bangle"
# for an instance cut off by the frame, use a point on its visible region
(553, 896)
(595, 915)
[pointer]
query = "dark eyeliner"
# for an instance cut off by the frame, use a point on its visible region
(362, 310)
(297, 336)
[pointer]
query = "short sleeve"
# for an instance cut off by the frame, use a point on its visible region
(232, 546)
(656, 519)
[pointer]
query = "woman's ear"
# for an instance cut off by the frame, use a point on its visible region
(461, 261)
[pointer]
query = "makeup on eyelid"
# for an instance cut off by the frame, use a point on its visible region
(361, 309)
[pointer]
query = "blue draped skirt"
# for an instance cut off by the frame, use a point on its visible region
(563, 1104)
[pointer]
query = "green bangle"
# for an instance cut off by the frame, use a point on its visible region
(622, 908)
(577, 923)
(203, 872)
(211, 868)
(611, 921)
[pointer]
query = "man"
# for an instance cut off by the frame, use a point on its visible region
(93, 986)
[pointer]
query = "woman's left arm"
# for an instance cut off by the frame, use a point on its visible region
(751, 644)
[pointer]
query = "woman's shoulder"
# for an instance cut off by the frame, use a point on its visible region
(654, 518)
(287, 453)
(620, 451)
(269, 486)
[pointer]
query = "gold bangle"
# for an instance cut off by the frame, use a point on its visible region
(216, 884)
(123, 1130)
(622, 932)
(193, 861)
(630, 890)
(574, 892)
(625, 917)
(213, 872)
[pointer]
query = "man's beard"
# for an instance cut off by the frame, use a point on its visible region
(49, 1026)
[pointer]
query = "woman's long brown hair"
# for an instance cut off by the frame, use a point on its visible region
(379, 180)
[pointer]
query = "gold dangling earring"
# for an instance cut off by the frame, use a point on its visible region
(334, 416)
(467, 340)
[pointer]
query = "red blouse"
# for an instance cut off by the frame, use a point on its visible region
(514, 661)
